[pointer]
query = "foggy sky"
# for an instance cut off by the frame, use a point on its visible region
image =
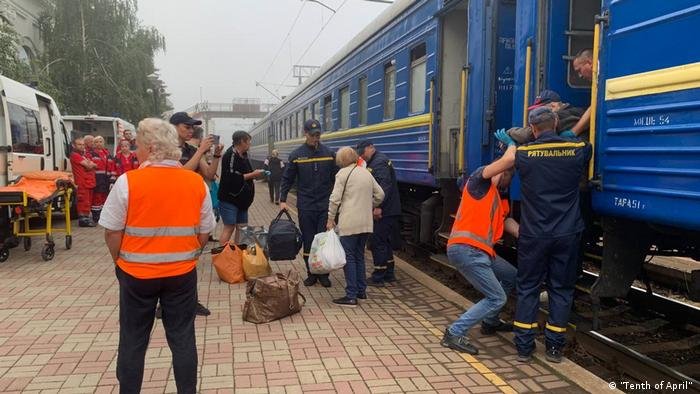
(224, 46)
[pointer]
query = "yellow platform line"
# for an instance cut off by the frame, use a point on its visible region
(471, 360)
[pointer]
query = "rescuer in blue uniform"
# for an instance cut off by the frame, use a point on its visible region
(550, 229)
(386, 216)
(312, 167)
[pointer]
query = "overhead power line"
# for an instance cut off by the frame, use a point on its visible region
(313, 42)
(289, 33)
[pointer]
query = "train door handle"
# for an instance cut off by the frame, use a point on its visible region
(48, 143)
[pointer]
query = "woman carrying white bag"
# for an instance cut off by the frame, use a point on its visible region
(355, 195)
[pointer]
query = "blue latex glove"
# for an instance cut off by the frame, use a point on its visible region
(503, 136)
(568, 134)
(267, 173)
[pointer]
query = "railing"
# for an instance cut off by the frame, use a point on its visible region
(251, 105)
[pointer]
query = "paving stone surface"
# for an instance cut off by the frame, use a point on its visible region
(59, 332)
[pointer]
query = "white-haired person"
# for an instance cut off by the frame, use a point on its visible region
(157, 219)
(355, 195)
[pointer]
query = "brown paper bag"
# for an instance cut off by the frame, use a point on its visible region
(255, 263)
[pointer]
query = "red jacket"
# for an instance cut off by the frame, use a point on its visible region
(123, 163)
(83, 177)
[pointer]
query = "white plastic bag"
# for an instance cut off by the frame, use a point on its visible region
(326, 254)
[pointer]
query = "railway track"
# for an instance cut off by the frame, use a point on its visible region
(645, 337)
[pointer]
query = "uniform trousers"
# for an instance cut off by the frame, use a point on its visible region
(274, 188)
(554, 261)
(310, 224)
(84, 196)
(382, 249)
(137, 305)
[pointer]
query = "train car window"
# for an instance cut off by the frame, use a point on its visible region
(389, 90)
(314, 110)
(418, 69)
(580, 35)
(327, 115)
(344, 106)
(304, 117)
(362, 101)
(279, 132)
(300, 124)
(292, 126)
(25, 129)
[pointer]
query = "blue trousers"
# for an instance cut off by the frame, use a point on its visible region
(493, 277)
(310, 224)
(354, 246)
(553, 260)
(382, 248)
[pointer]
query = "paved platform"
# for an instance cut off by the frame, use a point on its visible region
(59, 333)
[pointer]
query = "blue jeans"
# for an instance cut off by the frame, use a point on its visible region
(354, 246)
(484, 273)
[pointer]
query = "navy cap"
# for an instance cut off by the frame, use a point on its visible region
(183, 117)
(545, 97)
(360, 148)
(541, 114)
(312, 126)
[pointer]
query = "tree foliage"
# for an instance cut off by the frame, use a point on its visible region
(100, 56)
(13, 68)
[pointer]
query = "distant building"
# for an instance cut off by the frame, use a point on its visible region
(23, 16)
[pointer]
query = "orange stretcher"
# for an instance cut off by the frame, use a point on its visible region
(37, 195)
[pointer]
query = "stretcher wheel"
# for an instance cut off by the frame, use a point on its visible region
(69, 241)
(4, 255)
(47, 252)
(27, 243)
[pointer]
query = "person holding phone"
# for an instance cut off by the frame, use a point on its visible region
(236, 189)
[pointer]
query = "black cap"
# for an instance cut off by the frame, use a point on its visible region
(183, 117)
(312, 126)
(360, 148)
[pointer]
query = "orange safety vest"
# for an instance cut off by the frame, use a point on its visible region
(162, 222)
(479, 223)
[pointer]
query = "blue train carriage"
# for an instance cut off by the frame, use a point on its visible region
(647, 160)
(405, 82)
(644, 176)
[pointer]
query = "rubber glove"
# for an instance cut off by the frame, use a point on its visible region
(503, 136)
(568, 134)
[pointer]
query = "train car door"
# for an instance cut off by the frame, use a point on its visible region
(453, 60)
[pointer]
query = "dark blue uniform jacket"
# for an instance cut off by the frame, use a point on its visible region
(550, 169)
(383, 171)
(314, 171)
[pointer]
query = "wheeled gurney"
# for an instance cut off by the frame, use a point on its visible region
(37, 195)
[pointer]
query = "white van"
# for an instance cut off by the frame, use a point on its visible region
(32, 135)
(111, 129)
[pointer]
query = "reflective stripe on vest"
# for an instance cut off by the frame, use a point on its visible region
(161, 236)
(157, 258)
(489, 237)
(161, 231)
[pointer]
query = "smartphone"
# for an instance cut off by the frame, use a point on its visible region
(216, 138)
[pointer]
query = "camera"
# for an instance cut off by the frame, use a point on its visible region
(216, 138)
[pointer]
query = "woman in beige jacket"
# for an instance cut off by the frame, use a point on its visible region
(356, 194)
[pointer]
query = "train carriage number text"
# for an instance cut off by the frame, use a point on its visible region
(623, 202)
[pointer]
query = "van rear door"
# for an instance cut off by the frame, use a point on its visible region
(25, 134)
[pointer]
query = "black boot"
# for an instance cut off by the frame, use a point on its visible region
(389, 275)
(488, 329)
(96, 215)
(310, 280)
(458, 343)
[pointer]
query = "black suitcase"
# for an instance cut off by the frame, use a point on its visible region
(283, 238)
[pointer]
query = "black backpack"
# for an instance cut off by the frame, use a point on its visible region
(283, 238)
